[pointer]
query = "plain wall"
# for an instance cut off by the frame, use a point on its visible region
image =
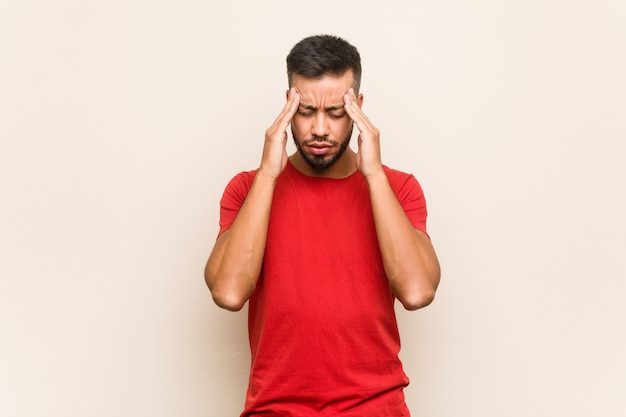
(122, 121)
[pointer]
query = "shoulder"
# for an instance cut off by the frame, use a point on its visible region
(404, 185)
(399, 179)
(395, 174)
(239, 185)
(242, 179)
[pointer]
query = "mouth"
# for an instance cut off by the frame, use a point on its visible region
(319, 148)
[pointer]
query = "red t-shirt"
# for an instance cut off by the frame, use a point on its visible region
(323, 334)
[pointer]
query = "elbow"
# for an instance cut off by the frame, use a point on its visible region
(417, 299)
(223, 297)
(420, 293)
(228, 297)
(228, 300)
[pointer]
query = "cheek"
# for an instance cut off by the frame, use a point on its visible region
(341, 127)
(298, 126)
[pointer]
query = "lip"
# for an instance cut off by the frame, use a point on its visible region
(319, 148)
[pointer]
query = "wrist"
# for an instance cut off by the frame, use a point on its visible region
(376, 177)
(265, 177)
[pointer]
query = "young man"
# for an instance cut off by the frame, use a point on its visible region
(321, 243)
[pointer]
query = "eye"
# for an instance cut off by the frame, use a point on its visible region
(305, 113)
(337, 114)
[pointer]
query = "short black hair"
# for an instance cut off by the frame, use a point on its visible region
(319, 55)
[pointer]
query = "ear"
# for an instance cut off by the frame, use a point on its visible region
(287, 94)
(360, 100)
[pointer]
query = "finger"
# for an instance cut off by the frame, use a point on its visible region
(356, 114)
(285, 116)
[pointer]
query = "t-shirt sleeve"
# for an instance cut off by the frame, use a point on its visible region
(233, 198)
(411, 197)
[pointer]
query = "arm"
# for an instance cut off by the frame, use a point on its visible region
(234, 265)
(409, 259)
(408, 256)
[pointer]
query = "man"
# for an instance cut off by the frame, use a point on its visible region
(321, 243)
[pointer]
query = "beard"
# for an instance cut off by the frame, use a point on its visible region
(322, 162)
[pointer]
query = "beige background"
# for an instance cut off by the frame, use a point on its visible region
(122, 121)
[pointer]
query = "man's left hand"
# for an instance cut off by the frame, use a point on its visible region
(368, 159)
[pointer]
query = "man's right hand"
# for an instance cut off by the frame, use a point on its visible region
(237, 257)
(275, 149)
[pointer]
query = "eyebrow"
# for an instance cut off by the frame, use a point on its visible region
(307, 106)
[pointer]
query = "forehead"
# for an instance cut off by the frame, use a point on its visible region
(324, 91)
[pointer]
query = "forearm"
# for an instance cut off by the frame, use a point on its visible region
(235, 263)
(409, 259)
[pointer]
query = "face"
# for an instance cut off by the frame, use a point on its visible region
(321, 127)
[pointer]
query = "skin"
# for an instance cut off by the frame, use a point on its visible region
(321, 113)
(326, 107)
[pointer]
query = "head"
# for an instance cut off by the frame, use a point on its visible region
(322, 69)
(320, 55)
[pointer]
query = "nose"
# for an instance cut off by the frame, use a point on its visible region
(320, 124)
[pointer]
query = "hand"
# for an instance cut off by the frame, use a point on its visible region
(368, 159)
(275, 157)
